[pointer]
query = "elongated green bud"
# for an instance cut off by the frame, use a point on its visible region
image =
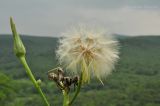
(19, 48)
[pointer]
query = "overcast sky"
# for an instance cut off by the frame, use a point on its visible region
(51, 17)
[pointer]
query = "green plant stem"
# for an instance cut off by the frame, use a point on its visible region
(66, 98)
(77, 90)
(28, 71)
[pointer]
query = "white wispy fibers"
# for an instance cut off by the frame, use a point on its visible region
(89, 51)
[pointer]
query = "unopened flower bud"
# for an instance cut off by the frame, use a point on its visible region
(39, 81)
(19, 48)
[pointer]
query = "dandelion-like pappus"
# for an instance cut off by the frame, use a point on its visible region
(89, 51)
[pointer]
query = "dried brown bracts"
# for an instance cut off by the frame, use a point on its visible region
(63, 82)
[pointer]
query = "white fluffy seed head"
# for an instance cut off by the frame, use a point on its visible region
(90, 51)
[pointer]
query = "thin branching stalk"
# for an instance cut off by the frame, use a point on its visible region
(28, 71)
(77, 90)
(65, 98)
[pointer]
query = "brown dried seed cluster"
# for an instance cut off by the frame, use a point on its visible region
(63, 82)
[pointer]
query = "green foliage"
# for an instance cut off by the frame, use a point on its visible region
(6, 89)
(134, 82)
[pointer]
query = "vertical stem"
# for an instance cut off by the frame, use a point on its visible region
(28, 71)
(78, 89)
(66, 98)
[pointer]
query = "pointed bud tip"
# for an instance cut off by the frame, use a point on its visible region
(13, 27)
(11, 21)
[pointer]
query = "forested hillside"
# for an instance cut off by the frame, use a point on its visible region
(134, 82)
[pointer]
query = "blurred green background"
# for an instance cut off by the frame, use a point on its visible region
(134, 82)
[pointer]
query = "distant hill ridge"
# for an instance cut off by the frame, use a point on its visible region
(41, 50)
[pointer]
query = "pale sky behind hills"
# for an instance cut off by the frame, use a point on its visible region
(52, 17)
